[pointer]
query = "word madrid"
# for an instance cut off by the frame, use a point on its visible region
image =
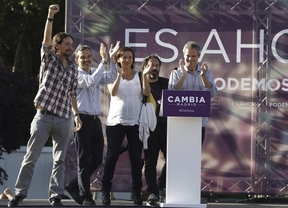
(186, 100)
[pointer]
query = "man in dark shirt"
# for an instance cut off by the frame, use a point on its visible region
(158, 138)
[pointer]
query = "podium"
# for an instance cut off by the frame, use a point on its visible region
(184, 111)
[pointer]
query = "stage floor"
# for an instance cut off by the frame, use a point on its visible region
(121, 203)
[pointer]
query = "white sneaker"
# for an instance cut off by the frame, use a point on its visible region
(153, 200)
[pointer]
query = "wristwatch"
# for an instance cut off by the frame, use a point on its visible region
(103, 61)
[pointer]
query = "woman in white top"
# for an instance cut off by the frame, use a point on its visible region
(123, 120)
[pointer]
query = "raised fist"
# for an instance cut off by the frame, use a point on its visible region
(53, 9)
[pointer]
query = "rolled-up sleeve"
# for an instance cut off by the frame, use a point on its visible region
(87, 80)
(73, 89)
(174, 78)
(45, 53)
(213, 89)
(109, 76)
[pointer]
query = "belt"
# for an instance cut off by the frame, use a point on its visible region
(89, 116)
(46, 112)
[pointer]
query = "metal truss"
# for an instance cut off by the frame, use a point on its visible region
(261, 180)
(260, 173)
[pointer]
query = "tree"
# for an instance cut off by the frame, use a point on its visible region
(16, 111)
(23, 24)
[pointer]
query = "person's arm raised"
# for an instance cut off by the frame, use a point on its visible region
(47, 39)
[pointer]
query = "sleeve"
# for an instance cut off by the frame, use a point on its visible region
(87, 80)
(211, 80)
(74, 87)
(173, 79)
(46, 57)
(109, 76)
(46, 53)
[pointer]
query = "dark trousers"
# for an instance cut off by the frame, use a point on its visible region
(115, 137)
(156, 142)
(89, 142)
(203, 134)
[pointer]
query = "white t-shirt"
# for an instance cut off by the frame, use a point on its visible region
(125, 107)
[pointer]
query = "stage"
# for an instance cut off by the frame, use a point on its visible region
(123, 203)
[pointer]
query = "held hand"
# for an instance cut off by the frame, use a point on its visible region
(204, 67)
(120, 71)
(113, 50)
(181, 66)
(78, 123)
(53, 9)
(102, 52)
(148, 68)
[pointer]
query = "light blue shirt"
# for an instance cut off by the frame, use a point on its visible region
(88, 88)
(193, 82)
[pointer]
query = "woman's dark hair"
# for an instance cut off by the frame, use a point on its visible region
(120, 53)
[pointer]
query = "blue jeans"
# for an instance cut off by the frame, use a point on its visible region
(42, 127)
(115, 137)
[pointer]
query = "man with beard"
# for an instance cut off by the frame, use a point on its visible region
(54, 102)
(89, 141)
(158, 138)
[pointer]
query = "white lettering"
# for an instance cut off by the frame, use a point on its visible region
(222, 83)
(281, 105)
(247, 84)
(127, 40)
(167, 45)
(270, 85)
(240, 45)
(259, 84)
(285, 84)
(235, 81)
(186, 99)
(221, 51)
(273, 46)
(212, 36)
(134, 30)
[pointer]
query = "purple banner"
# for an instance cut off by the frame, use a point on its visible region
(186, 103)
(246, 48)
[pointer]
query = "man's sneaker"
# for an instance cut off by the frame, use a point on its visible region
(162, 196)
(74, 194)
(153, 200)
(16, 201)
(137, 198)
(56, 202)
(106, 198)
(88, 202)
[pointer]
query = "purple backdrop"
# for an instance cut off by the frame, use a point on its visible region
(234, 49)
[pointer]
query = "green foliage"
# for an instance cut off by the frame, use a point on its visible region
(16, 111)
(22, 25)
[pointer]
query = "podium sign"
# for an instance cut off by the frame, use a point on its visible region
(184, 103)
(184, 110)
